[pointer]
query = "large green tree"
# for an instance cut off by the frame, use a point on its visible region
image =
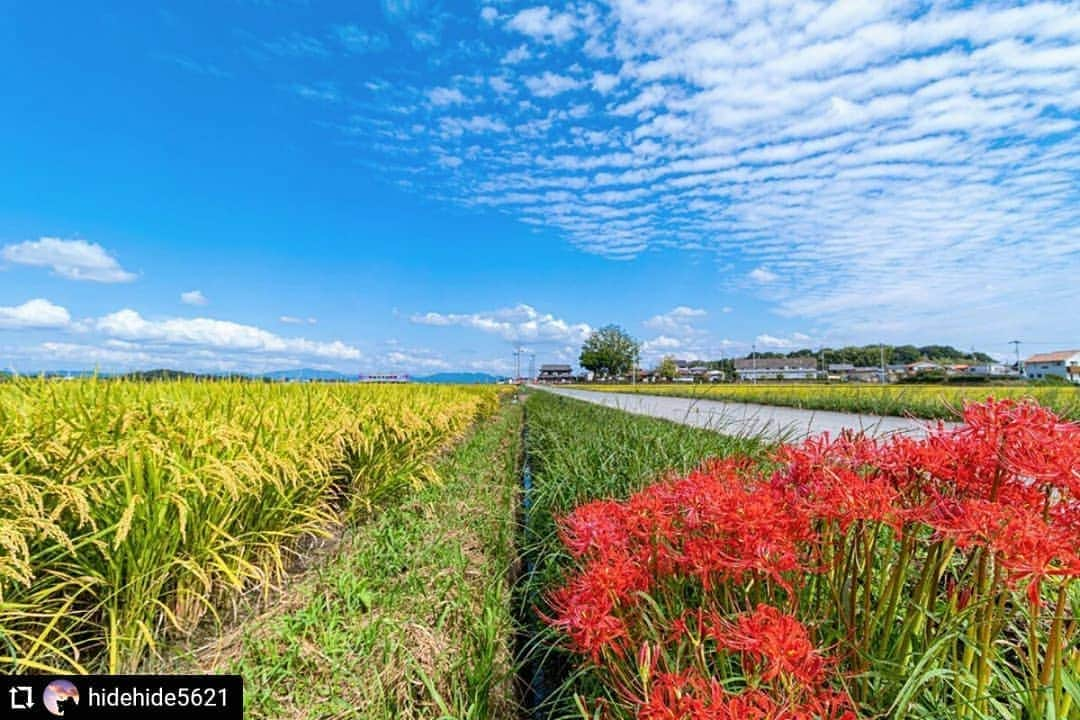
(667, 369)
(609, 351)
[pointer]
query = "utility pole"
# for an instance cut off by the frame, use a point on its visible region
(753, 360)
(532, 367)
(1016, 344)
(881, 346)
(518, 352)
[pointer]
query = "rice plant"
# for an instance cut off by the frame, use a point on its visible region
(131, 512)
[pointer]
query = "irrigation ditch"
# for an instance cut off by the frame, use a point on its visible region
(531, 686)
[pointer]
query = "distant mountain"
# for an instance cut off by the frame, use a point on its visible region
(299, 374)
(459, 378)
(309, 374)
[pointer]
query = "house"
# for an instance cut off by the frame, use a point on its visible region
(991, 370)
(385, 378)
(1064, 364)
(555, 374)
(765, 369)
(922, 366)
(866, 373)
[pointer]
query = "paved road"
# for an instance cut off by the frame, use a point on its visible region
(768, 421)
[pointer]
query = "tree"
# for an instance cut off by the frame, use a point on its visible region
(667, 369)
(609, 351)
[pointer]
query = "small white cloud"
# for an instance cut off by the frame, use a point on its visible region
(489, 14)
(551, 84)
(71, 259)
(443, 96)
(677, 321)
(727, 309)
(37, 313)
(326, 91)
(540, 23)
(763, 275)
(291, 320)
(603, 83)
(659, 344)
(409, 360)
(500, 85)
(519, 54)
(797, 340)
(520, 323)
(193, 297)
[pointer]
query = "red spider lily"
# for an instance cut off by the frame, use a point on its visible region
(1005, 484)
(586, 608)
(594, 528)
(777, 642)
(690, 696)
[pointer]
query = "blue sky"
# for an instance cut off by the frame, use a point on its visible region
(418, 186)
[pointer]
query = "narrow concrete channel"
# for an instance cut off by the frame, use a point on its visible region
(770, 422)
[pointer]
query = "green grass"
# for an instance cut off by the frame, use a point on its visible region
(923, 401)
(580, 452)
(411, 617)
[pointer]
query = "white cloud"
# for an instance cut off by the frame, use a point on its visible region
(519, 54)
(795, 341)
(292, 320)
(763, 275)
(72, 259)
(661, 345)
(604, 83)
(216, 334)
(521, 323)
(541, 24)
(455, 126)
(851, 156)
(413, 360)
(677, 321)
(443, 96)
(193, 297)
(37, 313)
(489, 14)
(324, 91)
(550, 84)
(500, 85)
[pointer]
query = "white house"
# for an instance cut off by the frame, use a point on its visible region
(990, 370)
(1063, 364)
(765, 369)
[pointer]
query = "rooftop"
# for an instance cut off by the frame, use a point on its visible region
(1058, 356)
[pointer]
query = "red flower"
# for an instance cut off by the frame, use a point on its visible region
(779, 643)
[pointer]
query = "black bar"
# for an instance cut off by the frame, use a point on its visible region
(96, 697)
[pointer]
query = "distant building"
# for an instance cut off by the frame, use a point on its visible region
(923, 366)
(555, 374)
(987, 370)
(764, 369)
(1064, 364)
(385, 378)
(859, 373)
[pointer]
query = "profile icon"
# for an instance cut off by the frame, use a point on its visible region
(61, 698)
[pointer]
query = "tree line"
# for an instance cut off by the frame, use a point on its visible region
(611, 351)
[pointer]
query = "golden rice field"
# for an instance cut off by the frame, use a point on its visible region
(925, 401)
(132, 512)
